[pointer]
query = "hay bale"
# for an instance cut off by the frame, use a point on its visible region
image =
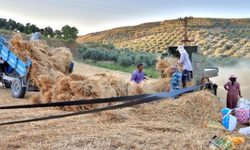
(35, 99)
(101, 74)
(46, 82)
(77, 77)
(113, 116)
(160, 85)
(44, 60)
(164, 66)
(135, 89)
(194, 108)
(47, 97)
(119, 85)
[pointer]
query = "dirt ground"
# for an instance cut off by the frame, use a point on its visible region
(242, 71)
(117, 130)
(85, 69)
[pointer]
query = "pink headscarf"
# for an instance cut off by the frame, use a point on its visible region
(232, 76)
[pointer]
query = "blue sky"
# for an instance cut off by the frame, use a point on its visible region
(97, 15)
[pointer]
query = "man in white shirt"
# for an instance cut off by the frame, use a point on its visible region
(37, 35)
(187, 66)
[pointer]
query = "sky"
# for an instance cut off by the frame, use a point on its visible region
(97, 15)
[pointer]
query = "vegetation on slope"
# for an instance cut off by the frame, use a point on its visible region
(216, 37)
(65, 33)
(108, 53)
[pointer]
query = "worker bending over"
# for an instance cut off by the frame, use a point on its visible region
(187, 66)
(37, 35)
(175, 80)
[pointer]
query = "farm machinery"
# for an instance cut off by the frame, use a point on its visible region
(200, 73)
(14, 72)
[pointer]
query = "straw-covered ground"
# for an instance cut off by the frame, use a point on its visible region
(165, 124)
(175, 124)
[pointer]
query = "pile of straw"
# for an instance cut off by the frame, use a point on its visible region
(50, 73)
(191, 108)
(45, 62)
(177, 123)
(164, 66)
(166, 124)
(75, 86)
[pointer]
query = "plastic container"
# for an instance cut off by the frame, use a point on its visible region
(245, 131)
(229, 122)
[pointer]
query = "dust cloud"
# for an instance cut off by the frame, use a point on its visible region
(242, 71)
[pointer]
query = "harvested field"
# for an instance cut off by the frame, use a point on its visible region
(165, 124)
(175, 124)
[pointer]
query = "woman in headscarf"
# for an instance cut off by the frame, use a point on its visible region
(233, 89)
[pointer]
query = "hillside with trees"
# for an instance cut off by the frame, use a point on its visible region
(66, 37)
(216, 37)
(65, 33)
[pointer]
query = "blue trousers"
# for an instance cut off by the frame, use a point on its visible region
(185, 77)
(174, 97)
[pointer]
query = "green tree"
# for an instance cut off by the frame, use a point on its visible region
(125, 61)
(58, 34)
(95, 55)
(20, 27)
(69, 32)
(49, 32)
(86, 54)
(81, 49)
(12, 24)
(113, 56)
(34, 28)
(3, 22)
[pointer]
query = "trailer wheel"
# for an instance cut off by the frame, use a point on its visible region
(17, 90)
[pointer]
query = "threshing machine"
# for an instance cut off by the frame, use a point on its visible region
(201, 73)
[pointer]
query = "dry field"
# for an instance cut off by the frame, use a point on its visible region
(175, 124)
(85, 69)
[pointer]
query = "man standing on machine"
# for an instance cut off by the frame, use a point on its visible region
(187, 66)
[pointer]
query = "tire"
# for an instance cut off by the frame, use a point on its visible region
(8, 84)
(17, 90)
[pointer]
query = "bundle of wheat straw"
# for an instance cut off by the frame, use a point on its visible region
(44, 60)
(164, 66)
(50, 72)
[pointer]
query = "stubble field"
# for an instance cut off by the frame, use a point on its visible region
(166, 124)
